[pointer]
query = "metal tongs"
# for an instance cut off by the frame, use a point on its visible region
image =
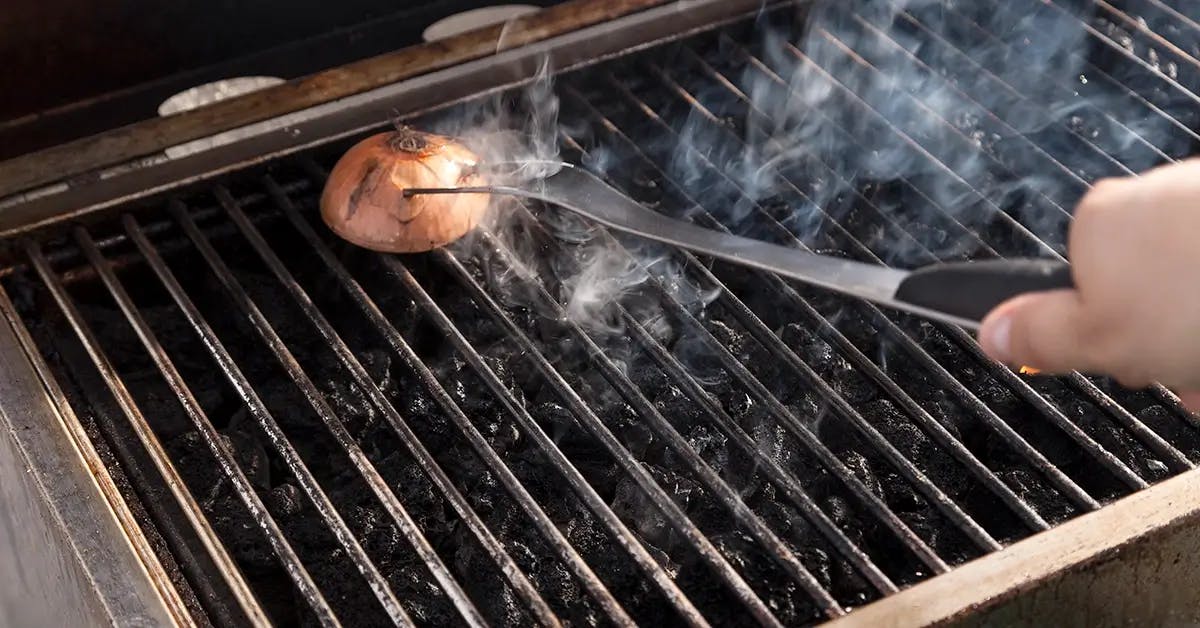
(959, 293)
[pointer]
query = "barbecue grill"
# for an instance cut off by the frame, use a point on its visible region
(217, 413)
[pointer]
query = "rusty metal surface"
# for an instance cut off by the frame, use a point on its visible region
(363, 111)
(151, 136)
(68, 558)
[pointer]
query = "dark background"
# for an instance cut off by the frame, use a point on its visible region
(77, 67)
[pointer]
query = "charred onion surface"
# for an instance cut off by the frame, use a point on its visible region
(364, 201)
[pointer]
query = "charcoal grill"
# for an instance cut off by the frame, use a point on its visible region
(218, 414)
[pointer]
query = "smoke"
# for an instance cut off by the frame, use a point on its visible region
(970, 129)
(585, 269)
(983, 113)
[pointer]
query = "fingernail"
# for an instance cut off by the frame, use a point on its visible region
(997, 339)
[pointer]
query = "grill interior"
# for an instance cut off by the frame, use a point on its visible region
(481, 434)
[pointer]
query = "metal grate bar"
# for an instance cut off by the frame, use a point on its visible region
(726, 423)
(630, 392)
(876, 506)
(776, 345)
(1144, 28)
(258, 410)
(873, 503)
(678, 519)
(1010, 222)
(746, 317)
(207, 537)
(591, 499)
(1085, 441)
(1067, 486)
(1061, 482)
(550, 533)
(342, 437)
(978, 69)
(1174, 14)
(1097, 76)
(1077, 92)
(1148, 437)
(967, 525)
(229, 467)
(930, 425)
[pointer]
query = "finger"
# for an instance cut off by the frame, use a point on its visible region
(1191, 400)
(1041, 330)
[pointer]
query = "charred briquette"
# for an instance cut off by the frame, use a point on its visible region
(1097, 423)
(1149, 408)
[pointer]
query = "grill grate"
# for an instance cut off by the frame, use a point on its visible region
(437, 439)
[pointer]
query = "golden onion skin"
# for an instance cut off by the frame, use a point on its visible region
(363, 201)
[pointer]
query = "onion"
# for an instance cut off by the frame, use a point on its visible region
(364, 201)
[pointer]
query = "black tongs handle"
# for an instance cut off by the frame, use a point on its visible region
(971, 289)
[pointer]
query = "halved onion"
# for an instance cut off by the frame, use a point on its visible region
(364, 201)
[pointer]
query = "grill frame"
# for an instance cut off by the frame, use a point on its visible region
(110, 179)
(1155, 510)
(95, 557)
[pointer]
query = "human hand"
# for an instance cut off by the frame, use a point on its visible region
(1134, 248)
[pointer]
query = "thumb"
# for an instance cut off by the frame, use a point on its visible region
(1041, 330)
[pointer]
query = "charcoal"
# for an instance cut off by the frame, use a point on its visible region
(251, 457)
(351, 404)
(190, 453)
(711, 445)
(916, 446)
(738, 404)
(1156, 469)
(748, 557)
(635, 504)
(861, 470)
(735, 341)
(285, 501)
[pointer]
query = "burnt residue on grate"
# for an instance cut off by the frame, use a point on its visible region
(552, 423)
